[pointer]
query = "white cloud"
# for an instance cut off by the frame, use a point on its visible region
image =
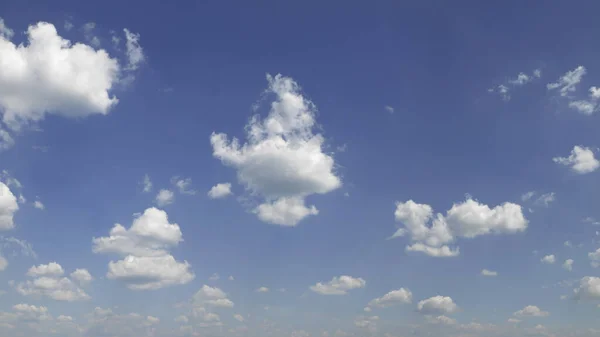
(214, 277)
(568, 81)
(8, 206)
(238, 317)
(531, 311)
(282, 160)
(589, 288)
(591, 220)
(441, 320)
(468, 219)
(545, 199)
(581, 160)
(583, 106)
(595, 258)
(18, 246)
(135, 53)
(230, 278)
(63, 318)
(147, 184)
(183, 185)
(52, 75)
(514, 320)
(521, 79)
(5, 32)
(50, 269)
(285, 211)
(211, 296)
(548, 259)
(145, 246)
(48, 281)
(82, 276)
(486, 272)
(568, 265)
(68, 25)
(164, 197)
(527, 196)
(437, 304)
(88, 32)
(389, 109)
(392, 298)
(39, 205)
(220, 191)
(568, 244)
(338, 285)
(262, 290)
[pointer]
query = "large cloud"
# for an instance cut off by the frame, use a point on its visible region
(468, 219)
(437, 305)
(283, 159)
(147, 263)
(8, 207)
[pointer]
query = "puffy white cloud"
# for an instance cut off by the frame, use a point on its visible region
(339, 285)
(135, 53)
(146, 184)
(50, 269)
(583, 106)
(49, 74)
(437, 304)
(82, 276)
(5, 32)
(581, 160)
(285, 211)
(589, 288)
(486, 272)
(262, 290)
(220, 190)
(521, 79)
(283, 159)
(468, 219)
(145, 246)
(568, 81)
(183, 185)
(164, 197)
(531, 311)
(548, 259)
(238, 317)
(595, 258)
(392, 298)
(48, 281)
(568, 264)
(8, 205)
(211, 296)
(39, 205)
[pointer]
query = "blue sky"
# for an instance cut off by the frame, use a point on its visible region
(414, 169)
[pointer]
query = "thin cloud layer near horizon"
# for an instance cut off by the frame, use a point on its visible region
(303, 170)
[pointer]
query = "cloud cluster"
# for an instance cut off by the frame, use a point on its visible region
(49, 280)
(521, 79)
(283, 159)
(147, 263)
(581, 160)
(567, 85)
(468, 219)
(338, 285)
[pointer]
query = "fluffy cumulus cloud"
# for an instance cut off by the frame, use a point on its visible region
(431, 234)
(531, 311)
(283, 159)
(581, 160)
(8, 207)
(437, 305)
(219, 191)
(164, 197)
(338, 285)
(183, 185)
(211, 296)
(589, 288)
(147, 263)
(548, 259)
(392, 298)
(568, 264)
(48, 280)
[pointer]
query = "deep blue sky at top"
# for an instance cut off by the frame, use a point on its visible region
(433, 61)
